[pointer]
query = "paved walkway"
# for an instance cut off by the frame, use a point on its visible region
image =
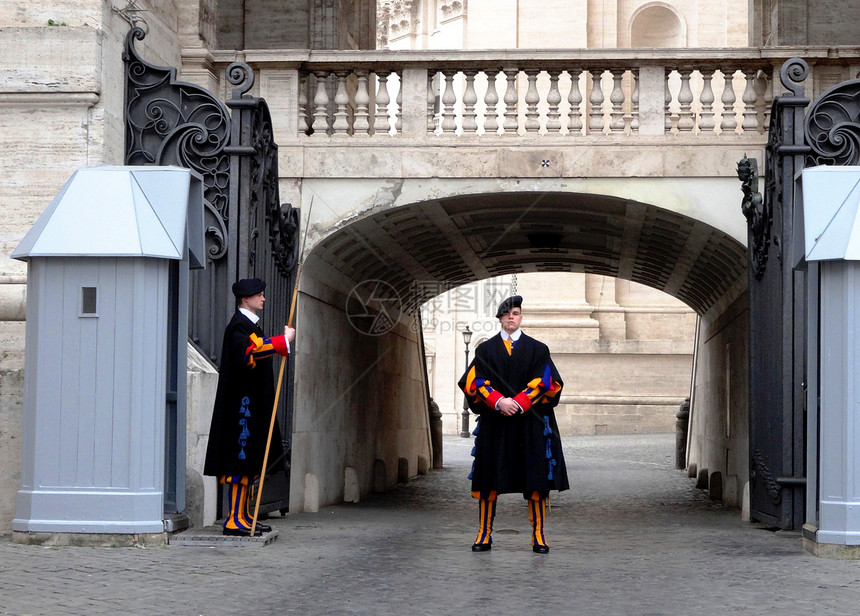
(632, 536)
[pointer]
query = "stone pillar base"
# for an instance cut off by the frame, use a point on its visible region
(827, 550)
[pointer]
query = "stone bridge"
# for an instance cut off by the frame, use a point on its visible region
(417, 173)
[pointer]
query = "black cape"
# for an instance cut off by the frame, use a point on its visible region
(511, 453)
(243, 407)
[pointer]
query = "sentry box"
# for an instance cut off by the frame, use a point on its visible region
(106, 335)
(828, 223)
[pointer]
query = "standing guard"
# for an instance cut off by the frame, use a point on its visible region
(513, 386)
(243, 405)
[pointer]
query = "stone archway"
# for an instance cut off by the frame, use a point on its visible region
(363, 414)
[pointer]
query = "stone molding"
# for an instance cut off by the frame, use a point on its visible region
(49, 99)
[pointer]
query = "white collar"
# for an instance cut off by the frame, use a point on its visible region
(515, 336)
(251, 316)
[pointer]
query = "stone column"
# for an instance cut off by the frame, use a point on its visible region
(600, 291)
(414, 99)
(652, 89)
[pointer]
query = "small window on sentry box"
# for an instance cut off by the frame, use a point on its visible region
(89, 302)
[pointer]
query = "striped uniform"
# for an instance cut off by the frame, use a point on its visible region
(520, 453)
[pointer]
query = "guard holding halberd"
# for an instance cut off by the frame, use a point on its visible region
(243, 405)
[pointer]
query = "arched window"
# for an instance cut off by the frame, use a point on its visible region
(657, 26)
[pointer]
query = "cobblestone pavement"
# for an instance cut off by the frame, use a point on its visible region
(633, 536)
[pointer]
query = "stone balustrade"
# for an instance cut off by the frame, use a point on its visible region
(571, 94)
(514, 101)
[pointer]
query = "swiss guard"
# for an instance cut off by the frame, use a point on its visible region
(243, 405)
(513, 387)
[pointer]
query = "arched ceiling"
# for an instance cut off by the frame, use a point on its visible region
(429, 246)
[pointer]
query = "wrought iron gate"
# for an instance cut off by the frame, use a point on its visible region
(777, 298)
(828, 135)
(248, 232)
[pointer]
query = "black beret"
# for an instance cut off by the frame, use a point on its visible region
(505, 307)
(248, 287)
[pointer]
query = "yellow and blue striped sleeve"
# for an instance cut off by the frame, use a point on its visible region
(540, 387)
(264, 347)
(480, 390)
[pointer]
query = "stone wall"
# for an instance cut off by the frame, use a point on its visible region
(11, 394)
(361, 418)
(61, 100)
(719, 420)
(507, 24)
(201, 492)
(297, 24)
(804, 22)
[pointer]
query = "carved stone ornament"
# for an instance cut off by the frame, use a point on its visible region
(395, 18)
(451, 9)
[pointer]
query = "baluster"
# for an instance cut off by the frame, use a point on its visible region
(398, 116)
(341, 100)
(706, 115)
(433, 117)
(729, 121)
(685, 100)
(382, 123)
(510, 126)
(532, 100)
(449, 125)
(574, 99)
(553, 98)
(767, 99)
(616, 123)
(749, 98)
(668, 104)
(361, 123)
(491, 98)
(321, 101)
(304, 123)
(595, 120)
(470, 97)
(634, 101)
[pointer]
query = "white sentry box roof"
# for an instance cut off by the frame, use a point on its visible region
(121, 212)
(831, 203)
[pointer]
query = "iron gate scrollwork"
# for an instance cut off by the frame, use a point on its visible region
(832, 126)
(249, 233)
(170, 122)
